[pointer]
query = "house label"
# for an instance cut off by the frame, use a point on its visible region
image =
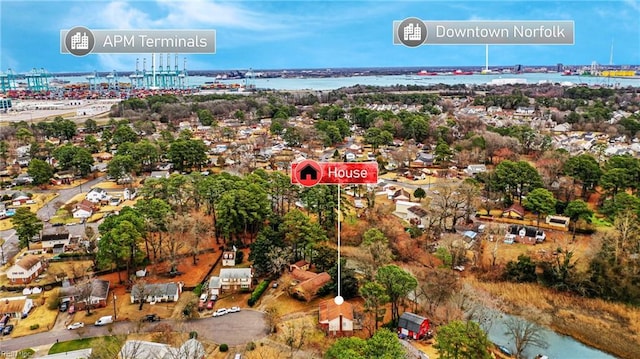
(309, 173)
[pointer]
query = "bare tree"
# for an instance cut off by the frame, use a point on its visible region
(279, 258)
(436, 286)
(199, 231)
(295, 336)
(179, 227)
(524, 334)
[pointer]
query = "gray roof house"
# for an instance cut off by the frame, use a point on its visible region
(158, 292)
(97, 297)
(236, 278)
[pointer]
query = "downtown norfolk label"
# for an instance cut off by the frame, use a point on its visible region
(81, 41)
(414, 32)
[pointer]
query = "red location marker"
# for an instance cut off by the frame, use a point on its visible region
(307, 173)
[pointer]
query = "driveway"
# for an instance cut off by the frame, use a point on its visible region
(231, 329)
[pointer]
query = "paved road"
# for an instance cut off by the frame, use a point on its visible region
(232, 329)
(10, 247)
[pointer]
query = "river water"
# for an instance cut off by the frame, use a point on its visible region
(559, 346)
(332, 83)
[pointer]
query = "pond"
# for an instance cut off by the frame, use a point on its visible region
(559, 346)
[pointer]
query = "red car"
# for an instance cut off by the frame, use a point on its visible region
(210, 304)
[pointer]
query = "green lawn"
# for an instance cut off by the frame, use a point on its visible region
(84, 343)
(600, 222)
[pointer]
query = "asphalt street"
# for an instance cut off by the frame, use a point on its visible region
(231, 329)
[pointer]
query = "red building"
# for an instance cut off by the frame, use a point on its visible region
(413, 326)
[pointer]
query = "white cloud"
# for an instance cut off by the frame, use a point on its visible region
(634, 4)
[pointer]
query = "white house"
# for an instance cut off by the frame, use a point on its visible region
(402, 208)
(3, 210)
(25, 270)
(235, 278)
(417, 216)
(54, 239)
(473, 170)
(336, 320)
(159, 174)
(96, 195)
(159, 292)
(15, 307)
(83, 209)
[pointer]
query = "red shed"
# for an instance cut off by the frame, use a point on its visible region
(413, 326)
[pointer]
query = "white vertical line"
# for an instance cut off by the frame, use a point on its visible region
(339, 240)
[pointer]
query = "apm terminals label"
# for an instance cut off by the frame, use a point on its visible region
(414, 32)
(81, 41)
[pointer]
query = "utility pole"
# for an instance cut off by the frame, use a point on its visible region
(114, 307)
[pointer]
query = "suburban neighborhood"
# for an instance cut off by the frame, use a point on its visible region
(171, 226)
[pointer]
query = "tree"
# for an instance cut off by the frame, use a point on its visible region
(586, 169)
(419, 193)
(375, 296)
(384, 344)
(577, 210)
(443, 153)
(296, 335)
(377, 137)
(522, 271)
(540, 201)
(376, 247)
(516, 179)
(27, 226)
(72, 157)
(462, 340)
(347, 348)
(124, 133)
(155, 213)
(90, 126)
(436, 286)
(524, 334)
(186, 154)
(205, 117)
(120, 166)
(40, 171)
(398, 285)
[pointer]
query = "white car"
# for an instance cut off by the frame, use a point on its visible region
(233, 310)
(76, 326)
(220, 312)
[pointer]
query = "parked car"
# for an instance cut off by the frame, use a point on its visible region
(104, 320)
(76, 325)
(72, 309)
(210, 304)
(214, 297)
(64, 306)
(220, 312)
(151, 318)
(233, 309)
(7, 330)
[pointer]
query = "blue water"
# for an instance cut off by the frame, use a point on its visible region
(332, 83)
(559, 346)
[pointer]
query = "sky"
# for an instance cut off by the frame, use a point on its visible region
(263, 34)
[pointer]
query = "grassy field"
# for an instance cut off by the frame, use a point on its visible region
(41, 315)
(78, 344)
